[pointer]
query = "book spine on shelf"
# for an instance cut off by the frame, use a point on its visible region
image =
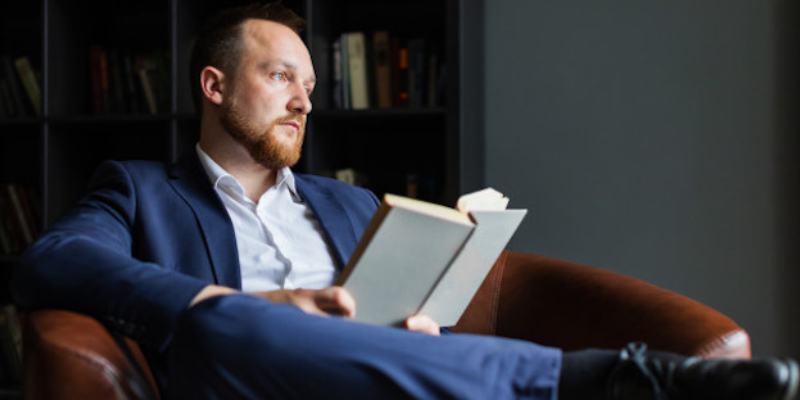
(142, 69)
(14, 201)
(338, 100)
(416, 72)
(359, 87)
(31, 83)
(14, 87)
(382, 62)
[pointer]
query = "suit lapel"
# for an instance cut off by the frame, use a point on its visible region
(191, 182)
(331, 216)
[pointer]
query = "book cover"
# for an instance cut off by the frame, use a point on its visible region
(357, 62)
(419, 257)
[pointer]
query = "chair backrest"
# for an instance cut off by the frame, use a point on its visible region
(563, 304)
(71, 356)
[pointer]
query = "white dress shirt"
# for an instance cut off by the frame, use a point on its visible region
(280, 241)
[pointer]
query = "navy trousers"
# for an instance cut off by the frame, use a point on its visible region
(243, 347)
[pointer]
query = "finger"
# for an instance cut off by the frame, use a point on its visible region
(336, 300)
(423, 324)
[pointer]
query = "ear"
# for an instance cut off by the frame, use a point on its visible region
(211, 83)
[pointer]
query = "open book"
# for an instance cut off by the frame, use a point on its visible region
(422, 258)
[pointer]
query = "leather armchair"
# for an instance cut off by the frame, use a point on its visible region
(545, 300)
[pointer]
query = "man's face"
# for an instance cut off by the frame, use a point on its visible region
(266, 103)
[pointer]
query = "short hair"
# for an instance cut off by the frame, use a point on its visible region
(219, 42)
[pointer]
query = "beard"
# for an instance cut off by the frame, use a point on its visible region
(264, 145)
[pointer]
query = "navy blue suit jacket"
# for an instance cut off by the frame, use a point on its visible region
(148, 237)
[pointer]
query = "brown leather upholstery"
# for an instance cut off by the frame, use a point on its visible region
(546, 300)
(563, 304)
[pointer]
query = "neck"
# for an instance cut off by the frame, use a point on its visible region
(255, 178)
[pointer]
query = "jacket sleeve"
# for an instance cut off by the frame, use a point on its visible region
(84, 263)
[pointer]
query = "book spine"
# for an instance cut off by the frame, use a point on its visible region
(15, 88)
(416, 72)
(10, 225)
(383, 77)
(131, 88)
(96, 79)
(19, 213)
(5, 239)
(359, 88)
(338, 101)
(4, 98)
(29, 82)
(147, 88)
(345, 62)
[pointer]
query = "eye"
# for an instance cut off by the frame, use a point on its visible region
(279, 76)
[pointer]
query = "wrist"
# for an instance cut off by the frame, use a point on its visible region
(210, 291)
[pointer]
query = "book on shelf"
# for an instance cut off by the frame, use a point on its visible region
(99, 81)
(19, 218)
(416, 71)
(14, 101)
(383, 69)
(351, 176)
(336, 67)
(399, 52)
(11, 342)
(357, 64)
(417, 257)
(30, 83)
(143, 69)
(124, 82)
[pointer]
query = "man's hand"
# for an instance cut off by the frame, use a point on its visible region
(422, 323)
(334, 300)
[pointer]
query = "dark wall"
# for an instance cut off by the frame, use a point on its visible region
(657, 139)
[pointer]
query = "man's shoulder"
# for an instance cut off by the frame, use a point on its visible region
(136, 170)
(335, 187)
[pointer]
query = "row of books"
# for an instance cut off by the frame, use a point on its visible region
(20, 88)
(417, 185)
(124, 82)
(381, 70)
(20, 218)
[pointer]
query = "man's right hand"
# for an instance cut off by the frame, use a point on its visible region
(334, 300)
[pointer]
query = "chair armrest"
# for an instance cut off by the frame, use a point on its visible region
(72, 356)
(571, 306)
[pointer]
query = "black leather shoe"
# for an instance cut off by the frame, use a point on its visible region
(640, 375)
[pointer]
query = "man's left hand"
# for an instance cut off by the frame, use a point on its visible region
(423, 324)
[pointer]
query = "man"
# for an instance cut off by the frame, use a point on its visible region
(164, 253)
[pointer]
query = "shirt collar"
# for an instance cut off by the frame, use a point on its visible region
(219, 176)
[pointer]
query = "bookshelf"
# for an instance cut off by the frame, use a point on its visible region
(439, 147)
(55, 153)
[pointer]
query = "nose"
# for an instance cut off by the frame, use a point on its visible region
(300, 102)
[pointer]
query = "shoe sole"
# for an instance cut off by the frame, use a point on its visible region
(793, 380)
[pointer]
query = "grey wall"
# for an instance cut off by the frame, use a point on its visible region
(651, 138)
